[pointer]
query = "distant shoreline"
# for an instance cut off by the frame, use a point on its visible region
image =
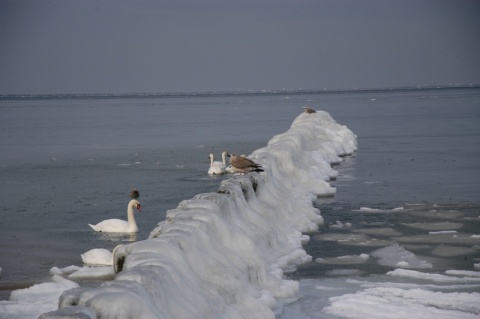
(72, 96)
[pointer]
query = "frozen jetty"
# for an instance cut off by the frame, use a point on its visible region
(224, 254)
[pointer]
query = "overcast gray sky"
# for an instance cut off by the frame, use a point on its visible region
(118, 46)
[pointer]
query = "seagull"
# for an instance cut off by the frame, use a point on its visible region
(309, 110)
(243, 164)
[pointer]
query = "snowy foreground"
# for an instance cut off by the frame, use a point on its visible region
(399, 294)
(224, 254)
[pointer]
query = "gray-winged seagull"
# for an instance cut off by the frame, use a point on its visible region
(243, 164)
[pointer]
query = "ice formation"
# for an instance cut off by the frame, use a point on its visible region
(223, 255)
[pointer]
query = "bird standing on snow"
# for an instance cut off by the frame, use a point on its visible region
(309, 110)
(243, 164)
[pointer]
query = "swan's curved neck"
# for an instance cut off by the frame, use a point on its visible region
(130, 214)
(223, 159)
(211, 160)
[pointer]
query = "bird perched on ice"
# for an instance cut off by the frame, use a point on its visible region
(216, 167)
(309, 110)
(243, 165)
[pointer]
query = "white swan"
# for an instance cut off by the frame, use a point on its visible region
(97, 257)
(216, 168)
(118, 225)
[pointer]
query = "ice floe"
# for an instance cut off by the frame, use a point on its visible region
(397, 256)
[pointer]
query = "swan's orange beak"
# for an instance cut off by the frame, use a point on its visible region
(139, 207)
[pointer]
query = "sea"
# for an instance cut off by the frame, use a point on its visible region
(406, 204)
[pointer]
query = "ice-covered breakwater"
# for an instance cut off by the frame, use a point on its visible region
(224, 254)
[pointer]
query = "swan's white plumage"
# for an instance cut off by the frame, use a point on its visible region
(216, 167)
(118, 225)
(98, 257)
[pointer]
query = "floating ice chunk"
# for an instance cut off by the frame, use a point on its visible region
(441, 238)
(472, 218)
(353, 240)
(82, 273)
(314, 297)
(372, 242)
(442, 214)
(339, 224)
(339, 237)
(344, 260)
(33, 301)
(64, 271)
(390, 232)
(435, 226)
(395, 303)
(413, 274)
(467, 273)
(443, 232)
(476, 266)
(376, 210)
(403, 264)
(397, 256)
(412, 285)
(344, 272)
(348, 297)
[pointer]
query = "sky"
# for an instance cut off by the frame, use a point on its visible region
(119, 46)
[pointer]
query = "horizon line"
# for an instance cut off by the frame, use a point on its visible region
(236, 92)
